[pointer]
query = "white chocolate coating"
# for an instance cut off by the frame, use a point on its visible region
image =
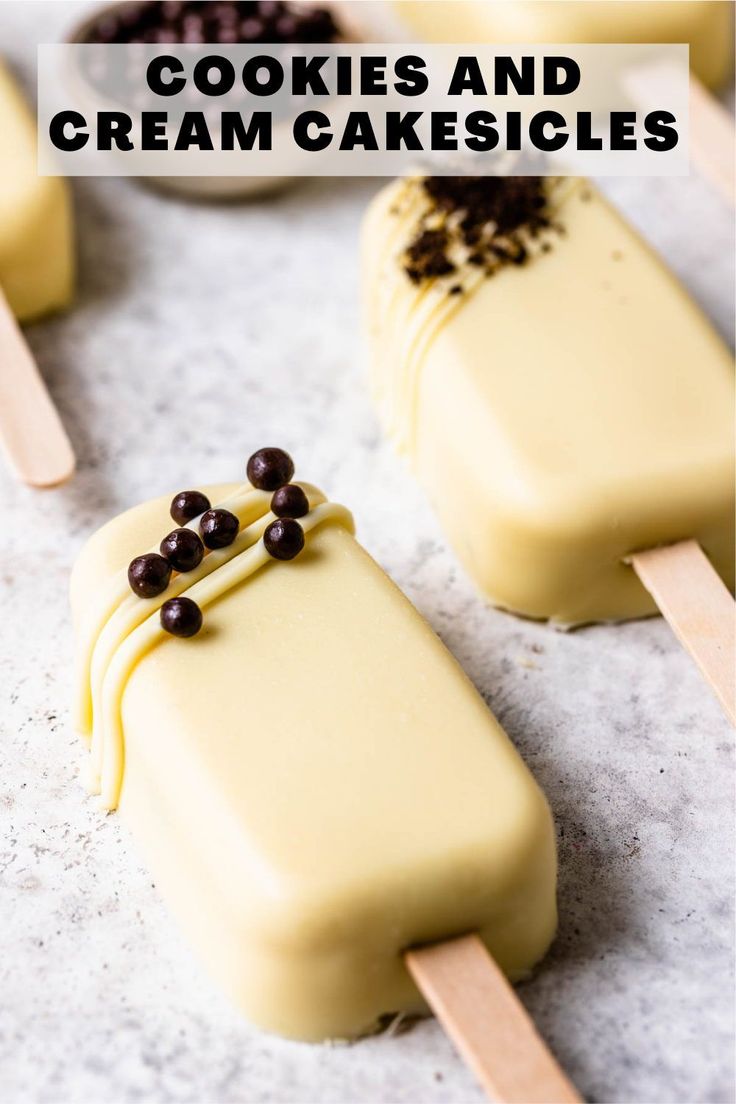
(125, 627)
(36, 249)
(562, 414)
(316, 785)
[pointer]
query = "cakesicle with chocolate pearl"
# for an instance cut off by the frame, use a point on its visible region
(36, 277)
(316, 785)
(561, 398)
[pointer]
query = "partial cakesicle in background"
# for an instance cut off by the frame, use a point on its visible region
(706, 25)
(564, 413)
(318, 788)
(36, 277)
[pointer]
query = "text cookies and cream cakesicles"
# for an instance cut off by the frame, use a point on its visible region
(561, 398)
(313, 780)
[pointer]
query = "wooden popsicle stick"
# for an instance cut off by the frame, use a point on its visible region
(700, 611)
(711, 125)
(488, 1023)
(712, 133)
(30, 428)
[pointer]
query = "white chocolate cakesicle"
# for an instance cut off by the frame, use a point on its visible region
(561, 414)
(36, 255)
(707, 25)
(314, 781)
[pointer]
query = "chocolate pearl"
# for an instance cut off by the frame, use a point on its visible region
(284, 539)
(218, 528)
(270, 9)
(287, 27)
(171, 10)
(269, 468)
(192, 21)
(149, 575)
(225, 13)
(187, 505)
(181, 617)
(289, 501)
(319, 25)
(252, 29)
(183, 549)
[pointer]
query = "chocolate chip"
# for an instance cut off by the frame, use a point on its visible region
(149, 575)
(181, 617)
(289, 501)
(270, 468)
(218, 528)
(284, 539)
(183, 549)
(187, 505)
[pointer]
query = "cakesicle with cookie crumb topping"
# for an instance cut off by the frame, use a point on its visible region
(561, 398)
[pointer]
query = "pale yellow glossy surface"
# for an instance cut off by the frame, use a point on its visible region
(316, 785)
(560, 415)
(36, 250)
(706, 25)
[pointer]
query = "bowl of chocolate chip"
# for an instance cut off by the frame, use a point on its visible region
(289, 24)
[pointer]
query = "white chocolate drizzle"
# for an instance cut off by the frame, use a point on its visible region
(122, 629)
(406, 320)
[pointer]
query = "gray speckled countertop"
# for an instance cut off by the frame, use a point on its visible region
(198, 334)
